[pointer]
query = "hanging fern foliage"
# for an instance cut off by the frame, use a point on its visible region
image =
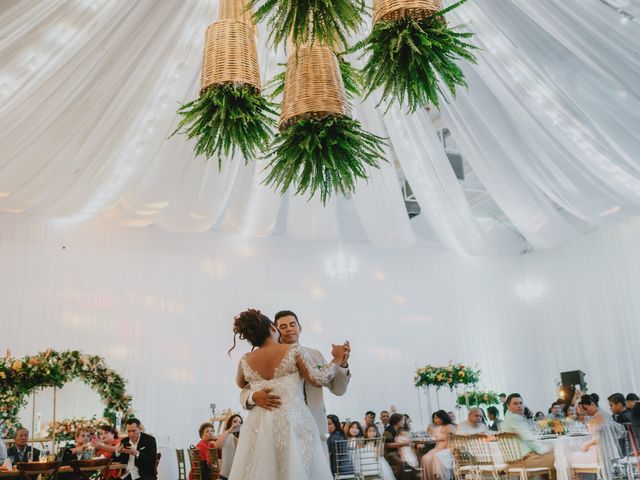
(310, 20)
(227, 119)
(324, 154)
(406, 57)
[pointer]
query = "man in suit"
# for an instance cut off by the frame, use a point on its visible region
(19, 451)
(138, 451)
(289, 327)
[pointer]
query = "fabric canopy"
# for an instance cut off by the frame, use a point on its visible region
(89, 91)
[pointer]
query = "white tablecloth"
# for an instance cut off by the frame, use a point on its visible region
(561, 447)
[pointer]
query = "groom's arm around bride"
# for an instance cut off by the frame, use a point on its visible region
(289, 327)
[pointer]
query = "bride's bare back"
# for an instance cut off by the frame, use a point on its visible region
(266, 359)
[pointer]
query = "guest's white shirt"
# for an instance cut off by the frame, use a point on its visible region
(131, 464)
(468, 428)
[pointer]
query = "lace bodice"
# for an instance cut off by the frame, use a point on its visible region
(287, 436)
(295, 367)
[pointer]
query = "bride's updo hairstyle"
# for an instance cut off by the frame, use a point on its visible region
(252, 326)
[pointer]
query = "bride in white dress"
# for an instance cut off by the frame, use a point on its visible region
(284, 443)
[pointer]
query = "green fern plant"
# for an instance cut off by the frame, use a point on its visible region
(406, 57)
(324, 154)
(228, 118)
(310, 20)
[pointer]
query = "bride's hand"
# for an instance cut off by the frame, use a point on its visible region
(338, 353)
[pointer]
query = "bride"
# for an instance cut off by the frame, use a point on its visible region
(280, 444)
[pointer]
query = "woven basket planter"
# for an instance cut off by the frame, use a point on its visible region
(230, 114)
(389, 10)
(313, 85)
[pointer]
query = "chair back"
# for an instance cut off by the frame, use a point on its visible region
(345, 459)
(85, 469)
(48, 470)
(480, 449)
(215, 455)
(194, 462)
(510, 447)
(182, 468)
(461, 451)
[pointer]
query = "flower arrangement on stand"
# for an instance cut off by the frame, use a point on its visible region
(65, 430)
(449, 376)
(476, 398)
(20, 377)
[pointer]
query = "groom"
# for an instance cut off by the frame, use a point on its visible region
(289, 327)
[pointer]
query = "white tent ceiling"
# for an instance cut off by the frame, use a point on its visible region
(548, 129)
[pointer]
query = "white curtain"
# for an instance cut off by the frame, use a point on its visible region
(89, 90)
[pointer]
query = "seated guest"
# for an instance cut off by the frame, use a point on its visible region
(19, 451)
(492, 413)
(635, 424)
(631, 399)
(369, 418)
(227, 443)
(533, 452)
(138, 451)
(108, 442)
(372, 432)
(355, 430)
(555, 412)
(570, 413)
(3, 451)
(473, 424)
(539, 416)
(605, 432)
(391, 445)
(452, 416)
(618, 406)
(384, 421)
(437, 464)
(336, 445)
(207, 442)
(107, 446)
(82, 450)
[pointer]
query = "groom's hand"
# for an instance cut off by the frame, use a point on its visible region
(263, 398)
(347, 352)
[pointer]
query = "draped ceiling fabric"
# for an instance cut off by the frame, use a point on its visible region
(89, 91)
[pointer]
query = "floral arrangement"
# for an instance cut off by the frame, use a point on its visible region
(449, 376)
(65, 430)
(476, 398)
(557, 426)
(19, 377)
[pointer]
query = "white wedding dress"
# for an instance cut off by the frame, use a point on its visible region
(284, 443)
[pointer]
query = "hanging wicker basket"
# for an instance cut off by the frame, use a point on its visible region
(313, 85)
(230, 53)
(390, 10)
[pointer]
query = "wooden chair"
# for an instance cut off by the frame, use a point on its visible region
(30, 470)
(85, 469)
(182, 468)
(480, 449)
(196, 461)
(511, 449)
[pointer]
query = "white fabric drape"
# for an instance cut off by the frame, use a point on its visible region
(89, 89)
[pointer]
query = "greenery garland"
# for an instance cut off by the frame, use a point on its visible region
(226, 118)
(310, 20)
(476, 398)
(327, 154)
(449, 376)
(407, 56)
(20, 377)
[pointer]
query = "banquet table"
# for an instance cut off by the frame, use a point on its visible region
(64, 469)
(561, 447)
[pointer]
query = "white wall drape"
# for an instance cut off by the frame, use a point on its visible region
(159, 307)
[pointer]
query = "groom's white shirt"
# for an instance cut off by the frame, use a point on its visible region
(313, 395)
